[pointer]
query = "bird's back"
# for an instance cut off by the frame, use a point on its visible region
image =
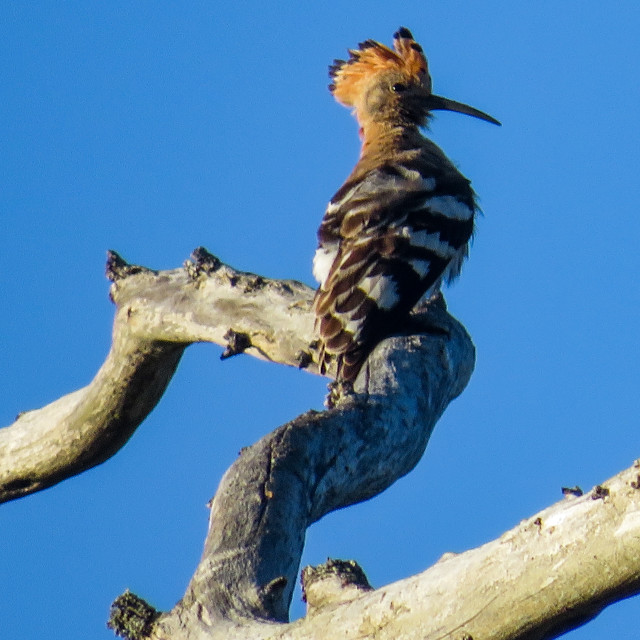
(399, 224)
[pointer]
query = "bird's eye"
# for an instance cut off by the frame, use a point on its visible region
(399, 87)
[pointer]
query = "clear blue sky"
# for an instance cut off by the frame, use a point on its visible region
(152, 129)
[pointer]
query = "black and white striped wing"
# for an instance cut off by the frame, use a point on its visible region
(387, 240)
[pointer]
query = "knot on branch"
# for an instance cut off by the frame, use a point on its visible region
(201, 262)
(333, 582)
(303, 358)
(118, 268)
(237, 343)
(575, 491)
(131, 617)
(271, 593)
(600, 493)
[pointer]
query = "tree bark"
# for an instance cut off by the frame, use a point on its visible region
(320, 462)
(158, 314)
(551, 573)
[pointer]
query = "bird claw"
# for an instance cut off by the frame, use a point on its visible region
(339, 391)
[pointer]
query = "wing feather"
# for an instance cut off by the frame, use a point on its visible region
(387, 239)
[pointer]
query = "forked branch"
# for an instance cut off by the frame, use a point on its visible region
(158, 314)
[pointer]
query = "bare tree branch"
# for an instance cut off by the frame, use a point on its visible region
(158, 314)
(206, 301)
(317, 463)
(549, 574)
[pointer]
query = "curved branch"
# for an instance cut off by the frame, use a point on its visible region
(86, 427)
(551, 573)
(158, 314)
(320, 462)
(207, 301)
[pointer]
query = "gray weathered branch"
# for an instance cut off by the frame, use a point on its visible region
(549, 574)
(315, 464)
(158, 314)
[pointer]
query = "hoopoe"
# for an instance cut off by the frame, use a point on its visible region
(401, 223)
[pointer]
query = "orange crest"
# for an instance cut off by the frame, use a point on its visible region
(349, 77)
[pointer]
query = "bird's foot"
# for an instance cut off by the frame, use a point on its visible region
(338, 392)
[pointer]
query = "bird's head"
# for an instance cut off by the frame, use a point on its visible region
(390, 86)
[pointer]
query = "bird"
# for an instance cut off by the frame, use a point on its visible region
(401, 223)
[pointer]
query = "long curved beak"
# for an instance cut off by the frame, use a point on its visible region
(439, 103)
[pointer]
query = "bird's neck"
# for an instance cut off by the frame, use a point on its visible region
(382, 138)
